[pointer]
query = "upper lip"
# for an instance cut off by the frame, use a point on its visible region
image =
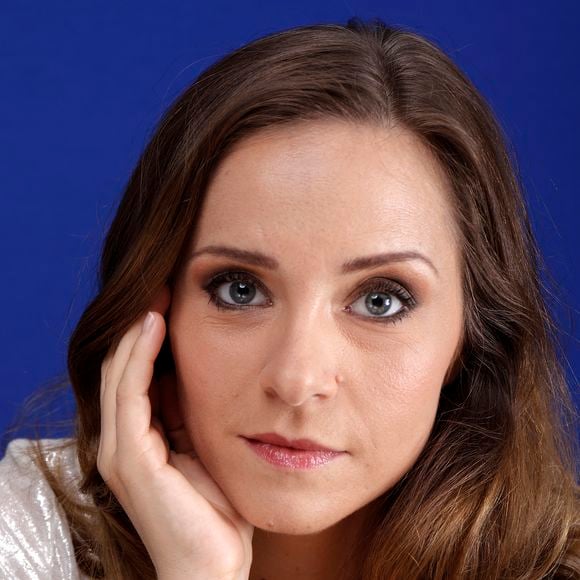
(275, 439)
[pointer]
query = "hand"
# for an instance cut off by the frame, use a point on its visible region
(189, 527)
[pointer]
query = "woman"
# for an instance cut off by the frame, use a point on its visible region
(320, 347)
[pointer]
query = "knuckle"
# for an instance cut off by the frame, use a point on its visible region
(122, 397)
(103, 468)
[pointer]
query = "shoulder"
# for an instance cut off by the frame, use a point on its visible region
(35, 540)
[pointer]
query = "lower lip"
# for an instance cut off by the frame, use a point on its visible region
(292, 458)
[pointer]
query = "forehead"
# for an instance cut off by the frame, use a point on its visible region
(331, 186)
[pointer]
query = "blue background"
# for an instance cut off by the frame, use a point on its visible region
(83, 84)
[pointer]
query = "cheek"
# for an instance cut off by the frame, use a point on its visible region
(401, 403)
(209, 372)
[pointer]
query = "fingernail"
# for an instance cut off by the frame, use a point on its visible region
(148, 324)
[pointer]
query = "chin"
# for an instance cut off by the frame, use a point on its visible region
(278, 523)
(287, 518)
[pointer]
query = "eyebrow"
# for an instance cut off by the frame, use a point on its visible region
(261, 260)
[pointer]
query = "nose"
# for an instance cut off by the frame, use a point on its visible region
(302, 365)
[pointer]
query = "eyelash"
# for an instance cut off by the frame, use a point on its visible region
(375, 285)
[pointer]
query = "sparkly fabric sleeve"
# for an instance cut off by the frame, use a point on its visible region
(35, 541)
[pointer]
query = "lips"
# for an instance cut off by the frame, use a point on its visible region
(274, 449)
(303, 444)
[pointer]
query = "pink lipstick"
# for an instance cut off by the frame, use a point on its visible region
(309, 456)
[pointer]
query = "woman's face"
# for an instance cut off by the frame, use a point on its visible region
(315, 340)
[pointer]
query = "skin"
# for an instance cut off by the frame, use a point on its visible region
(297, 361)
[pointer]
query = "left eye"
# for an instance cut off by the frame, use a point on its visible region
(383, 304)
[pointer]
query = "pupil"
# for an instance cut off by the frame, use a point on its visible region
(379, 303)
(242, 292)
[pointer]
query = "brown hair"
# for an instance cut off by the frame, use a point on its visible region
(493, 494)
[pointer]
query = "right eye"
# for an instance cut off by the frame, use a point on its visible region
(234, 291)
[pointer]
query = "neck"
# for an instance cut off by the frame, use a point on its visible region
(327, 555)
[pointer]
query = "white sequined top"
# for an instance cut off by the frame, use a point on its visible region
(35, 540)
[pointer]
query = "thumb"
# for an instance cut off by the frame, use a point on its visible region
(194, 471)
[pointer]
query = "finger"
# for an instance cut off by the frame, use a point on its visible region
(121, 357)
(159, 304)
(105, 364)
(107, 411)
(111, 369)
(111, 372)
(133, 419)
